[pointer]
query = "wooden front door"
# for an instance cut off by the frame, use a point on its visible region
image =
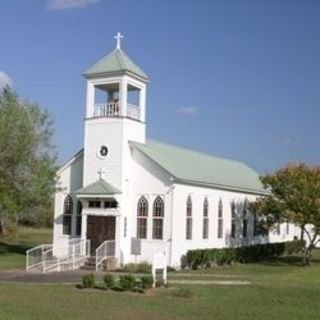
(100, 229)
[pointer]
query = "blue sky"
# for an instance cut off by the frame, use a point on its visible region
(238, 79)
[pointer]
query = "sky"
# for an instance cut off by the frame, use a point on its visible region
(233, 78)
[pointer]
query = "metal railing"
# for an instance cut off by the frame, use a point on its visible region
(76, 252)
(34, 255)
(106, 250)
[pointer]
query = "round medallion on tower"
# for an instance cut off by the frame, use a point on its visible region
(102, 152)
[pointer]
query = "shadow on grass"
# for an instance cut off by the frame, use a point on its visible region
(6, 249)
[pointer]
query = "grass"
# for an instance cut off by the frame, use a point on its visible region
(278, 291)
(14, 245)
(281, 289)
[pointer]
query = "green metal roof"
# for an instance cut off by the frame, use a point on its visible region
(100, 187)
(189, 166)
(115, 62)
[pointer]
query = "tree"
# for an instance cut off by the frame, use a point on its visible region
(27, 158)
(294, 197)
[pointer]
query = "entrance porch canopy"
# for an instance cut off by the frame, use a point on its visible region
(97, 189)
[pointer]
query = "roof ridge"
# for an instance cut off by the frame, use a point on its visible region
(120, 60)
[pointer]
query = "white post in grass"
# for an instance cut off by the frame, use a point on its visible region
(159, 263)
(73, 257)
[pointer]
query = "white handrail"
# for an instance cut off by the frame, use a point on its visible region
(77, 251)
(34, 255)
(105, 250)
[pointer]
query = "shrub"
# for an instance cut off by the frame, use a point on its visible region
(89, 280)
(141, 267)
(127, 282)
(130, 267)
(146, 282)
(208, 257)
(108, 280)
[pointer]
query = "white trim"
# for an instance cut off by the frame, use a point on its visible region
(67, 164)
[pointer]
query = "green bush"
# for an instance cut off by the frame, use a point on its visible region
(146, 282)
(127, 282)
(108, 280)
(141, 267)
(204, 258)
(89, 280)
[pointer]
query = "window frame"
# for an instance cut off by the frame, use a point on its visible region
(189, 218)
(205, 227)
(67, 215)
(220, 219)
(158, 218)
(142, 218)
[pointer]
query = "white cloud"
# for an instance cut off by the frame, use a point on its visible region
(189, 111)
(69, 4)
(5, 80)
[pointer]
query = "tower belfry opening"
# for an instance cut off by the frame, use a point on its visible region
(116, 87)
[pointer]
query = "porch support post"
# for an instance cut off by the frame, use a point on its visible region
(84, 230)
(117, 239)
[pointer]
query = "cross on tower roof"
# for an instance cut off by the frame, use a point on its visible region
(101, 172)
(118, 37)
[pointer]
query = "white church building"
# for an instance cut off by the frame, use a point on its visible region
(132, 196)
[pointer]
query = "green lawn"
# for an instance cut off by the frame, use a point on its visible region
(14, 246)
(281, 289)
(278, 292)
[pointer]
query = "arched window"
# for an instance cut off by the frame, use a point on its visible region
(189, 219)
(245, 219)
(67, 215)
(220, 219)
(79, 218)
(205, 234)
(142, 218)
(158, 214)
(233, 219)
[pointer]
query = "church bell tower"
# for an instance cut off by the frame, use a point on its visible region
(115, 115)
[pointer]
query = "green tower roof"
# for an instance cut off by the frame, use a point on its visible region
(115, 62)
